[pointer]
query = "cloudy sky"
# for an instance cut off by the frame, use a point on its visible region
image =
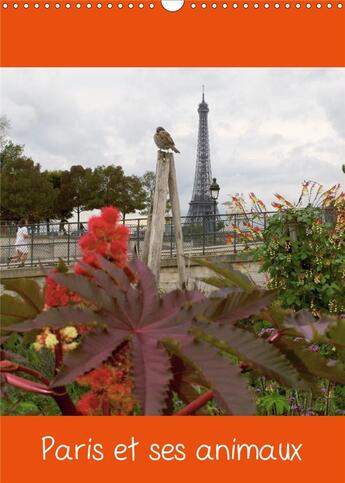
(270, 129)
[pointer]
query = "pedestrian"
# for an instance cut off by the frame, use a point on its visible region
(22, 246)
(62, 228)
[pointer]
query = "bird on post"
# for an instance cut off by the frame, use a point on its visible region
(164, 141)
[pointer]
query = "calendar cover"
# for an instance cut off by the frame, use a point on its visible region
(172, 241)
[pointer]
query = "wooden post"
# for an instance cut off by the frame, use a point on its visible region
(147, 238)
(158, 214)
(153, 243)
(175, 205)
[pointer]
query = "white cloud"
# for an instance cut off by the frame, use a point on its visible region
(269, 128)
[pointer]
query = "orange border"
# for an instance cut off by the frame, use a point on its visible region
(155, 37)
(322, 451)
(102, 37)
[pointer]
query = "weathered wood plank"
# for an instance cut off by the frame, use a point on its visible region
(147, 237)
(158, 213)
(176, 214)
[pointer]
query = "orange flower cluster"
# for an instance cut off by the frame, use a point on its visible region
(283, 202)
(57, 296)
(331, 196)
(247, 233)
(110, 389)
(105, 237)
(111, 384)
(258, 206)
(229, 240)
(237, 202)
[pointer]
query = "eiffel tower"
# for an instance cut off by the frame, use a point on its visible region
(202, 205)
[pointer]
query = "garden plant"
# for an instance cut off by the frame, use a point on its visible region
(107, 342)
(302, 247)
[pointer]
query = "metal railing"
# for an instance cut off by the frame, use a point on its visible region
(202, 236)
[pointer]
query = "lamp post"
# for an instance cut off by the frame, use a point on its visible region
(214, 189)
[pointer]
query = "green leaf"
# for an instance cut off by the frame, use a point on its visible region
(14, 309)
(61, 266)
(337, 332)
(27, 408)
(28, 289)
(229, 276)
(24, 302)
(337, 336)
(274, 403)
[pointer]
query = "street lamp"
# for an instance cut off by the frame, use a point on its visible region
(214, 189)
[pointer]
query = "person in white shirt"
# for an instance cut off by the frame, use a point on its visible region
(22, 246)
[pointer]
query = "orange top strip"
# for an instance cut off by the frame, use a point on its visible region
(215, 37)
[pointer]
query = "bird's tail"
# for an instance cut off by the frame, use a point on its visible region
(174, 148)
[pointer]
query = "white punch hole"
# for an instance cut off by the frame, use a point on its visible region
(172, 5)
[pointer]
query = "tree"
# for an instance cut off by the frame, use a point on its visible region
(132, 195)
(11, 152)
(148, 181)
(106, 182)
(112, 187)
(25, 190)
(75, 191)
(4, 126)
(62, 207)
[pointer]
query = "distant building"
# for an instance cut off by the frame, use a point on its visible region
(202, 204)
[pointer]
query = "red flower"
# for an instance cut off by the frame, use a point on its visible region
(8, 366)
(99, 227)
(105, 237)
(110, 382)
(55, 295)
(88, 242)
(89, 403)
(100, 378)
(110, 215)
(229, 239)
(121, 233)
